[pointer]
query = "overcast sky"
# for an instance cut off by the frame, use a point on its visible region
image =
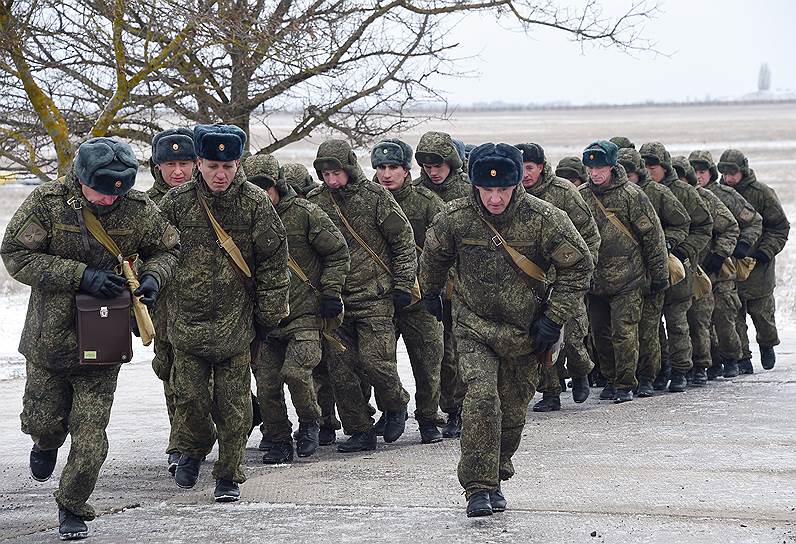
(715, 49)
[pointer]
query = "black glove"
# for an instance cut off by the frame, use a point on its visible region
(545, 333)
(741, 250)
(148, 289)
(102, 283)
(713, 263)
(401, 299)
(761, 257)
(680, 254)
(331, 306)
(433, 305)
(656, 286)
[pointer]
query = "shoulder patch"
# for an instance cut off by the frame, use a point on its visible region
(747, 214)
(140, 196)
(170, 238)
(393, 223)
(644, 224)
(566, 254)
(32, 233)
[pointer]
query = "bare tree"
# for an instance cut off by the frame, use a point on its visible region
(133, 67)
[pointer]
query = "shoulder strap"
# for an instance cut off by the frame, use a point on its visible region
(225, 241)
(98, 231)
(528, 267)
(611, 216)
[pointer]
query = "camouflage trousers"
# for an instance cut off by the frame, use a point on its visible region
(290, 361)
(649, 345)
(678, 339)
(726, 343)
(493, 413)
(368, 361)
(699, 322)
(162, 365)
(614, 320)
(422, 335)
(573, 353)
(452, 388)
(324, 393)
(228, 401)
(77, 402)
(762, 310)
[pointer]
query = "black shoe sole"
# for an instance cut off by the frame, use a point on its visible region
(480, 513)
(185, 486)
(38, 479)
(73, 536)
(227, 498)
(367, 448)
(306, 454)
(498, 509)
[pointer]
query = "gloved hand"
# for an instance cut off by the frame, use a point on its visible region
(331, 306)
(102, 283)
(544, 333)
(741, 250)
(680, 254)
(401, 299)
(148, 289)
(712, 263)
(433, 305)
(761, 257)
(656, 286)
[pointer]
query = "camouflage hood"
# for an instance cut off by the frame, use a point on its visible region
(684, 169)
(263, 171)
(622, 142)
(436, 148)
(734, 158)
(703, 159)
(299, 178)
(657, 151)
(337, 154)
(572, 166)
(631, 160)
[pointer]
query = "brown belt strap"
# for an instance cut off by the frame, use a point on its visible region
(225, 241)
(611, 216)
(530, 268)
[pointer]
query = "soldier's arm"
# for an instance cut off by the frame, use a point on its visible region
(651, 237)
(749, 221)
(775, 226)
(397, 232)
(328, 242)
(584, 223)
(725, 229)
(674, 219)
(24, 250)
(568, 252)
(701, 228)
(270, 274)
(439, 254)
(160, 245)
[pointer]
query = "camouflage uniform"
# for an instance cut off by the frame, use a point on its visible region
(564, 196)
(216, 311)
(625, 269)
(43, 248)
(494, 308)
(367, 330)
(757, 291)
(726, 343)
(678, 298)
(290, 353)
(298, 177)
(674, 220)
(572, 169)
(456, 185)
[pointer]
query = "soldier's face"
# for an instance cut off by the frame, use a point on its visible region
(273, 194)
(495, 199)
(600, 175)
(657, 172)
(391, 176)
(96, 197)
(437, 172)
(335, 179)
(632, 177)
(218, 175)
(531, 173)
(176, 172)
(732, 179)
(703, 176)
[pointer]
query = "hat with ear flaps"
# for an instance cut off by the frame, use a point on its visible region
(600, 153)
(337, 155)
(684, 169)
(438, 148)
(732, 160)
(174, 144)
(495, 165)
(262, 169)
(391, 151)
(106, 165)
(703, 160)
(222, 143)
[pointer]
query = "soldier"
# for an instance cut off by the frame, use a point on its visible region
(441, 172)
(298, 177)
(674, 220)
(383, 263)
(392, 160)
(727, 342)
(622, 142)
(172, 164)
(540, 181)
(757, 291)
(632, 260)
(572, 169)
(722, 244)
(229, 285)
(47, 246)
(290, 353)
(678, 298)
(501, 328)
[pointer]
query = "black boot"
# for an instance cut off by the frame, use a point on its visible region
(307, 441)
(226, 491)
(645, 388)
(622, 396)
(562, 383)
(767, 357)
(70, 527)
(731, 369)
(265, 443)
(497, 500)
(429, 433)
(716, 371)
(42, 463)
(453, 428)
(479, 505)
(395, 425)
(187, 472)
(279, 453)
(745, 367)
(580, 389)
(551, 402)
(378, 428)
(678, 383)
(358, 442)
(661, 379)
(689, 376)
(699, 378)
(601, 380)
(174, 460)
(327, 436)
(608, 392)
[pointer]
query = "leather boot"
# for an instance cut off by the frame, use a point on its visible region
(678, 383)
(327, 436)
(608, 392)
(767, 357)
(479, 505)
(359, 442)
(265, 443)
(622, 396)
(580, 389)
(716, 371)
(453, 428)
(70, 527)
(187, 472)
(307, 441)
(731, 369)
(42, 463)
(429, 433)
(279, 453)
(745, 367)
(661, 379)
(395, 425)
(497, 500)
(174, 459)
(226, 491)
(645, 388)
(378, 428)
(551, 402)
(699, 378)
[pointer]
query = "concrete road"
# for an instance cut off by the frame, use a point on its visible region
(716, 464)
